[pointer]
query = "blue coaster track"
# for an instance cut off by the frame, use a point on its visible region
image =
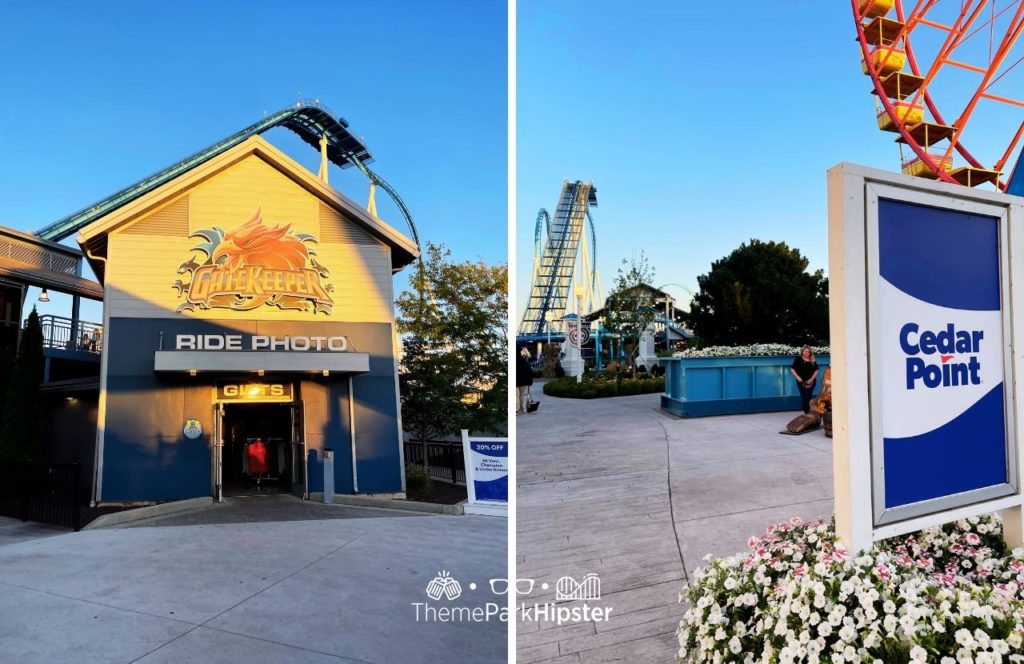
(310, 120)
(555, 259)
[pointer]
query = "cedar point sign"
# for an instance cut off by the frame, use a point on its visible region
(253, 265)
(925, 305)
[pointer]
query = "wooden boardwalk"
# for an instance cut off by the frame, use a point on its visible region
(616, 488)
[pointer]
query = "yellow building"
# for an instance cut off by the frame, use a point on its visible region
(248, 327)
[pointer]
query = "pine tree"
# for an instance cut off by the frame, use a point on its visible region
(19, 424)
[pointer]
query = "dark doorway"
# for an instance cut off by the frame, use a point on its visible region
(257, 456)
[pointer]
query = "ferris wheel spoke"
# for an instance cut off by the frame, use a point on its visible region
(1009, 148)
(990, 23)
(888, 44)
(929, 101)
(1011, 36)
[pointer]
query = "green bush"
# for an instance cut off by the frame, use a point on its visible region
(596, 386)
(417, 480)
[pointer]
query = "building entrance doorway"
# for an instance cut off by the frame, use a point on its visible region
(257, 449)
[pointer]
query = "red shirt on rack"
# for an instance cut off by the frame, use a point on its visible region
(257, 452)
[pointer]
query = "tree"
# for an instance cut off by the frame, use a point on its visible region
(19, 430)
(431, 400)
(7, 356)
(630, 308)
(761, 293)
(455, 346)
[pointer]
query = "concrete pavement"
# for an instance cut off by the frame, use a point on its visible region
(265, 508)
(13, 531)
(617, 488)
(325, 590)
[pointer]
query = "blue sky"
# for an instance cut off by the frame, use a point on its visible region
(98, 95)
(702, 125)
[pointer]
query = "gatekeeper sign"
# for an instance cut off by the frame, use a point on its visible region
(922, 334)
(486, 474)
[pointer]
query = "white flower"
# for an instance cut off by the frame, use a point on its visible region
(918, 654)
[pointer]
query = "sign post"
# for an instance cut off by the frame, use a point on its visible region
(486, 474)
(922, 301)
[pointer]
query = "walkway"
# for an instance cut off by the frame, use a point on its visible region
(326, 590)
(617, 488)
(268, 507)
(13, 531)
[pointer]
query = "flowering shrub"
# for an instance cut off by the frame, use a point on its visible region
(599, 385)
(951, 595)
(753, 350)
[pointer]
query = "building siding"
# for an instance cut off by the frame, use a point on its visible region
(143, 263)
(148, 458)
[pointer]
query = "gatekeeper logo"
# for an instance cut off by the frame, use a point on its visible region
(947, 346)
(253, 265)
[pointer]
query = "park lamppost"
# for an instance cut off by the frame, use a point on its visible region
(579, 332)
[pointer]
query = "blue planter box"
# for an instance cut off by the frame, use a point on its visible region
(702, 386)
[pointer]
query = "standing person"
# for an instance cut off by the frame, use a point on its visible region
(805, 372)
(524, 379)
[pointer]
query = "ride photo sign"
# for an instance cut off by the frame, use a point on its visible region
(920, 316)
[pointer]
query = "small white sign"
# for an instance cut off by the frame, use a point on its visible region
(486, 474)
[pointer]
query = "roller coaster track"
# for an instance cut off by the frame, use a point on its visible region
(543, 229)
(310, 120)
(554, 264)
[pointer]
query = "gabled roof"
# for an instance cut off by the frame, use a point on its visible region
(93, 238)
(310, 120)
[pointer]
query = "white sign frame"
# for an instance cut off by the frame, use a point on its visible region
(474, 506)
(853, 193)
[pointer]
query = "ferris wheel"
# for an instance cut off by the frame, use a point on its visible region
(944, 75)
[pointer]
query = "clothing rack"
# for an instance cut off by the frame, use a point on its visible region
(274, 454)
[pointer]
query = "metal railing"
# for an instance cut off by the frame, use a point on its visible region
(446, 462)
(60, 332)
(43, 492)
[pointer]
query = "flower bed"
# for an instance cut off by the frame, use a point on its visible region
(752, 350)
(598, 386)
(951, 594)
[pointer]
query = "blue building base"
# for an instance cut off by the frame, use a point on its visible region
(684, 408)
(705, 386)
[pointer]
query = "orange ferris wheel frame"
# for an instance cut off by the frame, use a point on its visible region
(962, 29)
